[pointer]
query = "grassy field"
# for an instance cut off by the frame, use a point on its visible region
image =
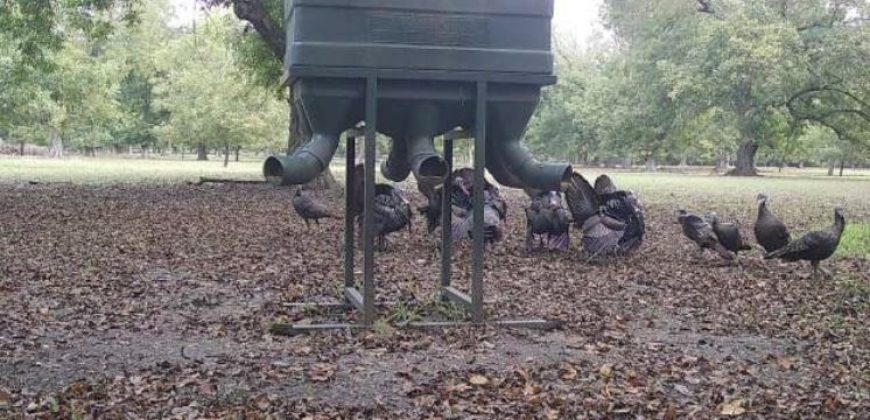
(856, 241)
(102, 170)
(79, 170)
(804, 197)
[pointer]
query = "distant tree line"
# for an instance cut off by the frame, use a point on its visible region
(705, 82)
(134, 84)
(779, 82)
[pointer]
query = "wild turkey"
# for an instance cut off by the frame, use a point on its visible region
(815, 246)
(392, 211)
(702, 233)
(546, 216)
(770, 232)
(462, 205)
(611, 219)
(494, 209)
(309, 209)
(728, 235)
(460, 202)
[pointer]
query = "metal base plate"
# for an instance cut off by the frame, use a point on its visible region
(297, 329)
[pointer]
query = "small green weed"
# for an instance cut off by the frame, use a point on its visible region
(855, 241)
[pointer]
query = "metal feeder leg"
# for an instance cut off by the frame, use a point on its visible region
(350, 159)
(446, 218)
(479, 166)
(351, 294)
(368, 213)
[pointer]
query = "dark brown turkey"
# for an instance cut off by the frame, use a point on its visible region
(701, 232)
(391, 210)
(459, 198)
(462, 204)
(309, 209)
(547, 217)
(815, 246)
(770, 232)
(728, 235)
(611, 220)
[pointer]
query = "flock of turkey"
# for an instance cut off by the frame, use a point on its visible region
(610, 220)
(771, 234)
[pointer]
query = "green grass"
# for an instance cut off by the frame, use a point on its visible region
(118, 170)
(709, 183)
(79, 170)
(855, 241)
(802, 197)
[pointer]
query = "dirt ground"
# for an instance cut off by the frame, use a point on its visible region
(156, 302)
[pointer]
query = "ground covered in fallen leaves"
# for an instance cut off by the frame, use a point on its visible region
(157, 301)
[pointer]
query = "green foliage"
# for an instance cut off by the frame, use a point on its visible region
(210, 101)
(144, 85)
(855, 241)
(682, 83)
(40, 28)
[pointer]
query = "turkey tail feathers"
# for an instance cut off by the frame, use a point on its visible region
(582, 199)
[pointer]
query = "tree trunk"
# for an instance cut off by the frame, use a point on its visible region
(183, 149)
(21, 149)
(684, 160)
(842, 164)
(626, 162)
(651, 165)
(722, 163)
(238, 149)
(831, 164)
(745, 164)
(201, 152)
(56, 142)
(256, 14)
(226, 155)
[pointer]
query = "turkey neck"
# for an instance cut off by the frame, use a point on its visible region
(762, 209)
(839, 225)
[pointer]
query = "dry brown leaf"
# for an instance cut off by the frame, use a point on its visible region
(530, 389)
(478, 380)
(460, 387)
(733, 408)
(321, 372)
(606, 371)
(569, 373)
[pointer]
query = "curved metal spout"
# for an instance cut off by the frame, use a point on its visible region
(511, 164)
(328, 112)
(304, 164)
(397, 168)
(414, 148)
(415, 154)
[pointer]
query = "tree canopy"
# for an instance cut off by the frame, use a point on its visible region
(121, 77)
(711, 78)
(703, 81)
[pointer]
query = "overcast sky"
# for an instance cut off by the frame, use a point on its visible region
(575, 18)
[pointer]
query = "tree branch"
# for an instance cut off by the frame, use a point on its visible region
(705, 6)
(254, 12)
